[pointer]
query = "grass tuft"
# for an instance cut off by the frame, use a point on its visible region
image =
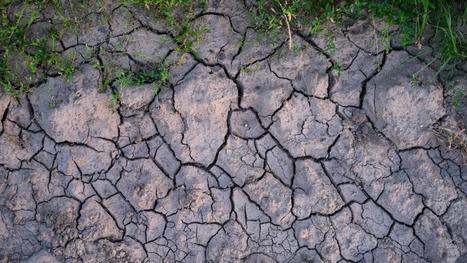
(158, 77)
(27, 58)
(414, 17)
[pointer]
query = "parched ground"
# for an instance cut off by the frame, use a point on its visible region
(255, 153)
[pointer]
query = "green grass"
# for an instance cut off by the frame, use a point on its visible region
(414, 17)
(178, 14)
(174, 12)
(457, 94)
(39, 56)
(453, 139)
(158, 77)
(26, 59)
(337, 69)
(115, 99)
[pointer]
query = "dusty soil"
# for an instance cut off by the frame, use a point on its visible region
(254, 153)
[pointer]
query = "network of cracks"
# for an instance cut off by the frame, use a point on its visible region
(254, 152)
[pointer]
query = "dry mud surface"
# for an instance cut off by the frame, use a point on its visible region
(255, 153)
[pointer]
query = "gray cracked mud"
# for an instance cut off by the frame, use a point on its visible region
(254, 153)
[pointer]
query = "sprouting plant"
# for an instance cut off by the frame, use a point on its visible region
(453, 139)
(415, 80)
(163, 80)
(40, 56)
(54, 103)
(316, 26)
(27, 58)
(296, 49)
(88, 52)
(386, 39)
(337, 68)
(115, 99)
(330, 45)
(457, 94)
(189, 37)
(158, 77)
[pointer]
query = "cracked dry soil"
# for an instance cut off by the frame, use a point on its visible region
(253, 154)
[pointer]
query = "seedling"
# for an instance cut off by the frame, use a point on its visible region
(457, 94)
(158, 77)
(453, 139)
(115, 99)
(337, 68)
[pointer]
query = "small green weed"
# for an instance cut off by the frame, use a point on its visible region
(158, 77)
(188, 38)
(414, 17)
(457, 94)
(453, 139)
(337, 68)
(53, 104)
(25, 59)
(330, 45)
(39, 56)
(386, 39)
(178, 14)
(115, 99)
(415, 80)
